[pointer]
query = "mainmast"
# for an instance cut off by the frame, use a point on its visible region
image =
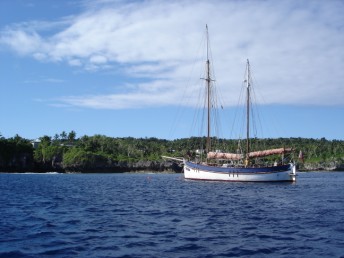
(208, 147)
(247, 113)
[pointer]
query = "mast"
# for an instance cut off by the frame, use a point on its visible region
(247, 112)
(208, 147)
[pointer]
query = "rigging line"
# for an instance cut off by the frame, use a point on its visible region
(203, 124)
(199, 104)
(200, 113)
(254, 112)
(216, 122)
(242, 123)
(263, 102)
(258, 115)
(180, 110)
(201, 129)
(256, 103)
(272, 122)
(243, 114)
(238, 108)
(198, 116)
(213, 73)
(217, 116)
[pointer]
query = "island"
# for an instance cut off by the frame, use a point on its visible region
(102, 154)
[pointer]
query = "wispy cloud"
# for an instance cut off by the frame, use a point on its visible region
(296, 48)
(153, 94)
(44, 80)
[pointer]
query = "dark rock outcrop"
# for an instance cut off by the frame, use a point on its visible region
(17, 163)
(322, 166)
(124, 166)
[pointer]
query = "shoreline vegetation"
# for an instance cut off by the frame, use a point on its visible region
(65, 153)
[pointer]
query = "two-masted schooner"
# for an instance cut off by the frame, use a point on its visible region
(220, 166)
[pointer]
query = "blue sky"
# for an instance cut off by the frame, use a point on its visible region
(127, 68)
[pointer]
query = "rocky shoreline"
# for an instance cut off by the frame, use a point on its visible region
(111, 167)
(322, 166)
(143, 166)
(124, 166)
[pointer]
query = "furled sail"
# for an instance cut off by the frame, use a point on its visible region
(222, 155)
(255, 154)
(264, 153)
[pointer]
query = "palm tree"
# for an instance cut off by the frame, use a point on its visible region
(71, 136)
(63, 136)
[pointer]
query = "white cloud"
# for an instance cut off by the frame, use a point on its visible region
(98, 59)
(74, 62)
(22, 42)
(40, 56)
(45, 80)
(296, 48)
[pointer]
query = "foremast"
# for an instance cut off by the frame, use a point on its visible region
(208, 93)
(208, 86)
(248, 88)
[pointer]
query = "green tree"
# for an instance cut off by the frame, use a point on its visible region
(71, 136)
(77, 158)
(63, 136)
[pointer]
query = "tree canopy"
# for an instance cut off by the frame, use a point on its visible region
(67, 150)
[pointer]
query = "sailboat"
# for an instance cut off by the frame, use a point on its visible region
(222, 166)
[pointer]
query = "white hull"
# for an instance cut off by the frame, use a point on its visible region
(207, 173)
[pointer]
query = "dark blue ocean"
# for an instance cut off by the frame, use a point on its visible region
(162, 215)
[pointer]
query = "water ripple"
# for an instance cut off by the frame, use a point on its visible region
(138, 215)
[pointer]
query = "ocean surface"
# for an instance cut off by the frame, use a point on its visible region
(162, 215)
